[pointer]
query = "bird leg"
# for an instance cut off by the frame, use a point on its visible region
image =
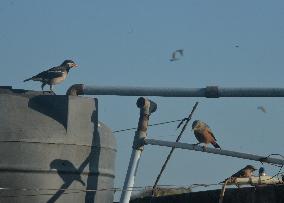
(51, 89)
(198, 143)
(42, 86)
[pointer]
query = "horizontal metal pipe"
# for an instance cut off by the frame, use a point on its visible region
(208, 92)
(214, 151)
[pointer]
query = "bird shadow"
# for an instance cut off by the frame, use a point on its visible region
(69, 173)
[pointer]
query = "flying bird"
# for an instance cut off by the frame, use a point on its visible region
(204, 134)
(54, 75)
(245, 172)
(174, 54)
(261, 108)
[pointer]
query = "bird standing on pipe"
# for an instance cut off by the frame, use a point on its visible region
(245, 172)
(204, 134)
(54, 75)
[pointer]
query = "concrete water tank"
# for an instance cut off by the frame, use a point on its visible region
(53, 149)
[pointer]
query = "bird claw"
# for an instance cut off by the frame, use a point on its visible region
(195, 145)
(49, 92)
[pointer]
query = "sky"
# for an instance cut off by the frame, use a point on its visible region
(129, 43)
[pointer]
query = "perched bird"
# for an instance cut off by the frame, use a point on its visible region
(245, 172)
(204, 134)
(261, 172)
(54, 75)
(262, 109)
(174, 54)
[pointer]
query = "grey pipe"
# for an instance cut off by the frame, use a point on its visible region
(208, 92)
(214, 151)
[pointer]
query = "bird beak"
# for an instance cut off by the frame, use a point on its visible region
(74, 65)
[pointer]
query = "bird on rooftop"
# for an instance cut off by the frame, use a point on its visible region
(245, 172)
(204, 134)
(262, 109)
(54, 75)
(174, 54)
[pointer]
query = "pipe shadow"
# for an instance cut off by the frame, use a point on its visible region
(94, 158)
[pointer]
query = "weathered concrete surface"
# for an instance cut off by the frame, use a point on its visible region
(263, 194)
(49, 143)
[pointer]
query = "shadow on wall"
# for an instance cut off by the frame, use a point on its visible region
(55, 107)
(69, 173)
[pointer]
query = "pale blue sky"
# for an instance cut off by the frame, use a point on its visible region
(130, 43)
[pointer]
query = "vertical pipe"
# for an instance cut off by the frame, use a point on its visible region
(146, 108)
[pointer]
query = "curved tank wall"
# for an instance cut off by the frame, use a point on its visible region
(53, 149)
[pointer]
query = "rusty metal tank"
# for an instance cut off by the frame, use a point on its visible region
(54, 149)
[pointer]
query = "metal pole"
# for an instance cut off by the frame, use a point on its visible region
(214, 151)
(208, 92)
(146, 108)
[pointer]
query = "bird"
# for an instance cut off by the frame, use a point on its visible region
(54, 75)
(245, 172)
(261, 108)
(204, 134)
(174, 54)
(261, 171)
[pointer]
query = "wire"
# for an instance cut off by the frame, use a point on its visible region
(263, 159)
(75, 191)
(155, 124)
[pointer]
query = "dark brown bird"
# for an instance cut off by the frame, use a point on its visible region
(204, 134)
(245, 172)
(174, 54)
(54, 75)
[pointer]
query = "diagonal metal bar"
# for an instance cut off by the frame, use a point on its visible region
(215, 151)
(178, 138)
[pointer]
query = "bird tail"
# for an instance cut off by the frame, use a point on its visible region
(27, 79)
(34, 78)
(215, 144)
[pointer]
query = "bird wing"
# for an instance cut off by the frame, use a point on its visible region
(262, 109)
(210, 132)
(56, 68)
(240, 173)
(49, 74)
(199, 136)
(180, 51)
(174, 55)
